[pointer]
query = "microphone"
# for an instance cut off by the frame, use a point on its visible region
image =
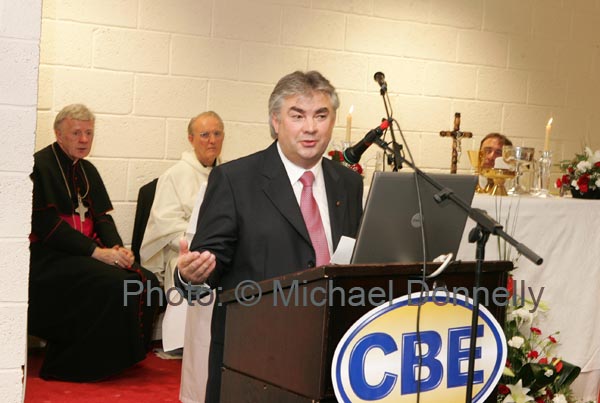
(380, 78)
(352, 154)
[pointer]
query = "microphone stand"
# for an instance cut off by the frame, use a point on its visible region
(397, 158)
(480, 234)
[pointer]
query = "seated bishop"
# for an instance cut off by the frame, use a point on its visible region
(87, 297)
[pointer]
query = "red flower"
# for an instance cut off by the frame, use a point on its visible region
(535, 330)
(540, 399)
(571, 170)
(552, 339)
(582, 182)
(558, 366)
(510, 286)
(558, 183)
(336, 155)
(543, 360)
(357, 168)
(597, 164)
(533, 354)
(503, 389)
(566, 179)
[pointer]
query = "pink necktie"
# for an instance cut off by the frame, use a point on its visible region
(312, 219)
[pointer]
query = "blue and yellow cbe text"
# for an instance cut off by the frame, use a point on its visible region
(377, 360)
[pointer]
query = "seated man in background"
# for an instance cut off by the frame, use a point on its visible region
(490, 148)
(85, 292)
(176, 194)
(491, 145)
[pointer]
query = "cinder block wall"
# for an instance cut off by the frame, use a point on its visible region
(19, 58)
(146, 66)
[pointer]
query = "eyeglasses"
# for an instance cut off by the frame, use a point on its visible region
(205, 135)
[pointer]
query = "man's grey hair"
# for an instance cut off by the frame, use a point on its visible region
(202, 115)
(73, 111)
(299, 83)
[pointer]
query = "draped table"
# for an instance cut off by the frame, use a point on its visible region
(565, 232)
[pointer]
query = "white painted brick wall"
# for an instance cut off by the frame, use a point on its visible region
(531, 54)
(169, 96)
(482, 48)
(102, 91)
(502, 85)
(450, 80)
(46, 88)
(402, 10)
(55, 33)
(264, 63)
(19, 72)
(240, 101)
(131, 50)
(351, 71)
(457, 13)
(120, 13)
(189, 57)
(345, 6)
(177, 141)
(547, 89)
(508, 16)
(15, 120)
(140, 172)
(408, 75)
(118, 135)
(11, 383)
(247, 21)
(306, 27)
(13, 346)
(20, 26)
(15, 187)
(179, 16)
(114, 176)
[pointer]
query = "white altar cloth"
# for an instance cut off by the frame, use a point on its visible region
(565, 232)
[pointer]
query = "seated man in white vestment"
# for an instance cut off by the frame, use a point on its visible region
(176, 193)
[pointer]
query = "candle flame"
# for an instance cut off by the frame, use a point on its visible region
(550, 122)
(351, 110)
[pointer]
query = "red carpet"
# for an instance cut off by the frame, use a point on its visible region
(152, 380)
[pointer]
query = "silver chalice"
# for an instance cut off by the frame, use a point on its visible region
(521, 157)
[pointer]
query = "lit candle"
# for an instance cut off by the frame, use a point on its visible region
(547, 140)
(349, 124)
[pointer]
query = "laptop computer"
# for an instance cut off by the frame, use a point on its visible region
(390, 228)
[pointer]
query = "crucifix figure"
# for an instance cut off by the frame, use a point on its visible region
(457, 136)
(81, 209)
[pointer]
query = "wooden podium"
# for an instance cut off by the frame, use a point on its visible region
(277, 353)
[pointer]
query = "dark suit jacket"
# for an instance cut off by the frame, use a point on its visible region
(251, 220)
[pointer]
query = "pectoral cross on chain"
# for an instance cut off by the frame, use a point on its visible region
(457, 136)
(81, 209)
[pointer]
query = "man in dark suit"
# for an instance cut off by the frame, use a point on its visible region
(256, 221)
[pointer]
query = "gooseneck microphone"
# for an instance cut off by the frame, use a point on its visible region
(380, 78)
(352, 154)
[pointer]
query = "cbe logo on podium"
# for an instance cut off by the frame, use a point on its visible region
(377, 359)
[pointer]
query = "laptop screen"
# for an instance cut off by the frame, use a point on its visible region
(390, 228)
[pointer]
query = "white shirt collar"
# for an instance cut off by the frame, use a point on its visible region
(294, 171)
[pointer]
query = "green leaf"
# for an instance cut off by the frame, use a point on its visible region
(567, 375)
(534, 375)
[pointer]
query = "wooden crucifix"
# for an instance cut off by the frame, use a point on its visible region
(457, 136)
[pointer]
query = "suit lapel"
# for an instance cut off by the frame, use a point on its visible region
(278, 189)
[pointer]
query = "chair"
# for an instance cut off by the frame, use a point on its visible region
(142, 213)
